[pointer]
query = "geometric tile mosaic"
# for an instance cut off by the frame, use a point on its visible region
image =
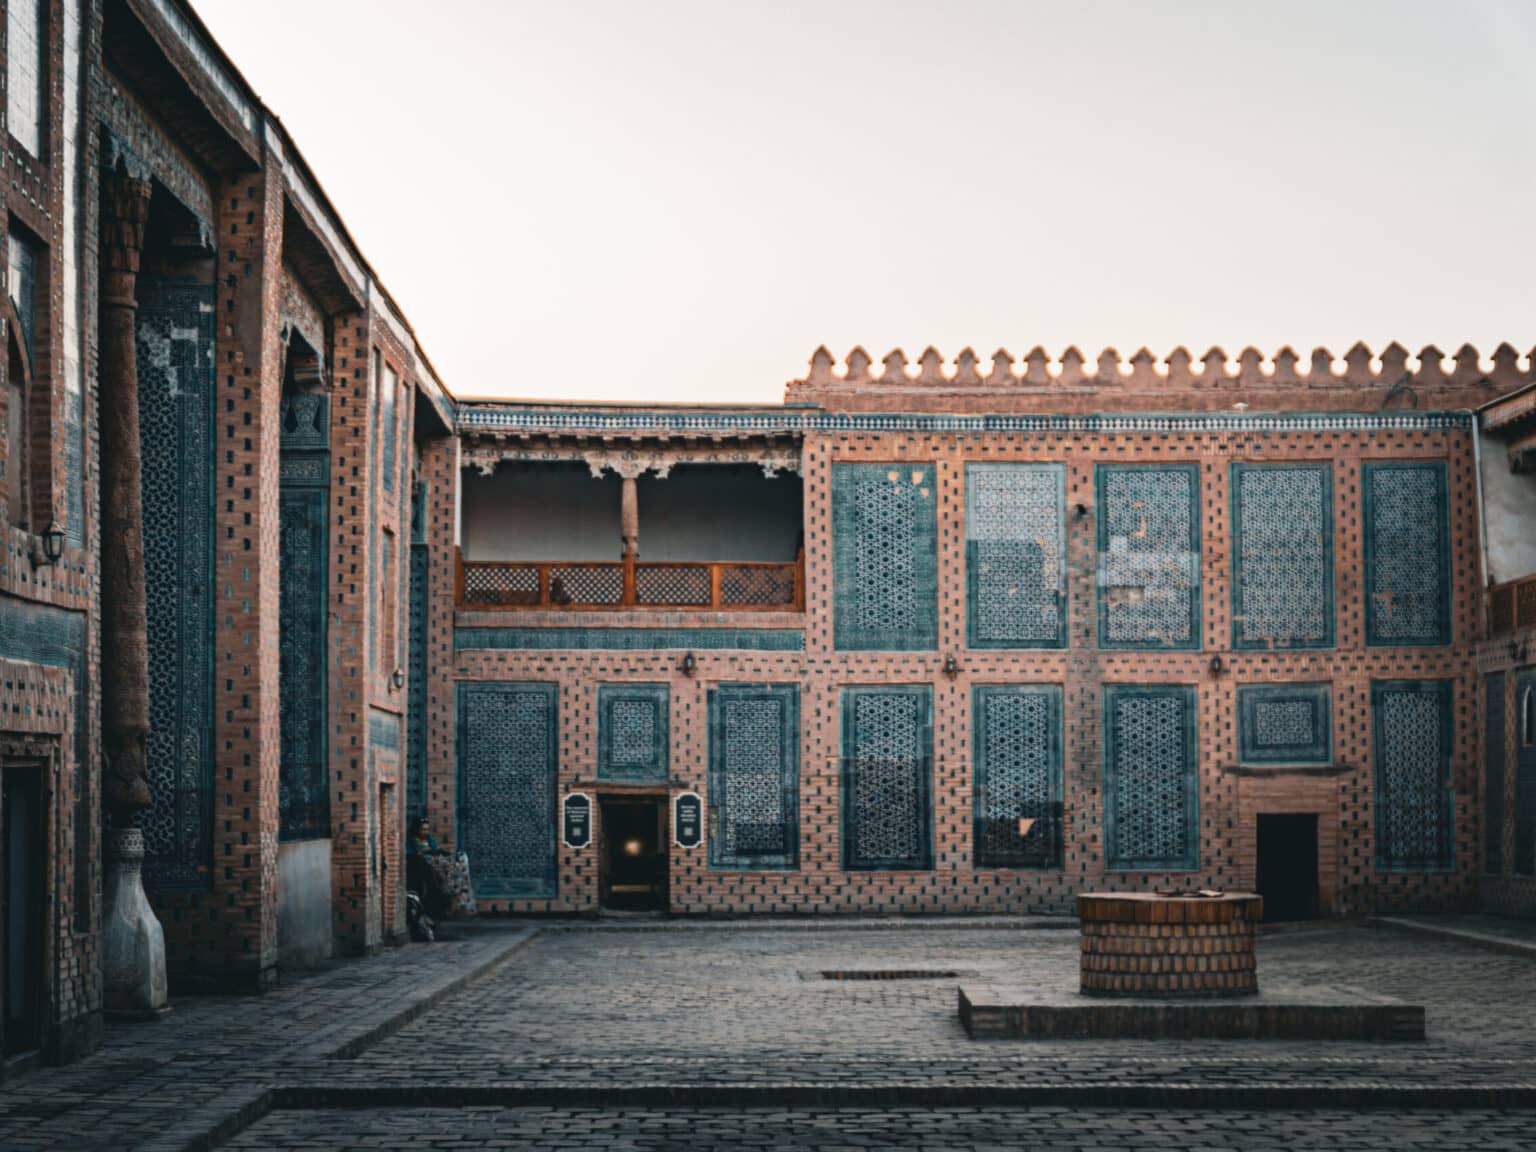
(1151, 789)
(887, 778)
(1407, 553)
(1411, 721)
(1493, 773)
(508, 749)
(1284, 724)
(175, 376)
(884, 557)
(1016, 757)
(1282, 555)
(754, 777)
(1149, 555)
(632, 744)
(1015, 555)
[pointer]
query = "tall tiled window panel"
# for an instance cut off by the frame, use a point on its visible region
(887, 778)
(175, 373)
(416, 713)
(1016, 753)
(1494, 750)
(754, 777)
(507, 760)
(1412, 732)
(304, 493)
(1149, 555)
(1015, 555)
(885, 557)
(632, 731)
(1282, 556)
(1151, 792)
(1407, 553)
(1525, 772)
(24, 73)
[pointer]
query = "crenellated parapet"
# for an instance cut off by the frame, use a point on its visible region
(1392, 378)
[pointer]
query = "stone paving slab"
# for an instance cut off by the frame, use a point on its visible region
(847, 1130)
(1495, 933)
(533, 1014)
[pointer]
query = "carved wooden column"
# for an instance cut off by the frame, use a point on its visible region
(629, 532)
(134, 946)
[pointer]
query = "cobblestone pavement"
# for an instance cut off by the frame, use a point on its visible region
(848, 1130)
(647, 1018)
(620, 1007)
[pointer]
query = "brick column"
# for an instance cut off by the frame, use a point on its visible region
(248, 390)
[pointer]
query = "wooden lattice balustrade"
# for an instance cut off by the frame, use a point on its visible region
(584, 586)
(1512, 606)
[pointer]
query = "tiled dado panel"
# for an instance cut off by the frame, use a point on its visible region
(1228, 801)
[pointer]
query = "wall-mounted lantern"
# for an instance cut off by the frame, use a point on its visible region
(398, 678)
(688, 664)
(951, 666)
(1216, 665)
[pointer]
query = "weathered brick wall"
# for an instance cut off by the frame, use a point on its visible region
(1228, 803)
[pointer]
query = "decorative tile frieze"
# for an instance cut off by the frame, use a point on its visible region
(629, 639)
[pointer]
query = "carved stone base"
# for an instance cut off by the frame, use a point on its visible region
(133, 944)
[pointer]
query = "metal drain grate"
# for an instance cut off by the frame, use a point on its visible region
(885, 974)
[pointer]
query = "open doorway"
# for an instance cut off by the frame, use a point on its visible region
(634, 853)
(1288, 866)
(23, 862)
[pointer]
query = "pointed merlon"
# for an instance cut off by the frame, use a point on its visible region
(821, 367)
(894, 368)
(1001, 375)
(930, 367)
(965, 369)
(858, 366)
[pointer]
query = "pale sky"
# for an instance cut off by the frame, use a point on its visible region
(679, 200)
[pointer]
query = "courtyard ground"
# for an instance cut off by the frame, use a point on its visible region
(695, 1035)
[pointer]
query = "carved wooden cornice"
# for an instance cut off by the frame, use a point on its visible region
(631, 457)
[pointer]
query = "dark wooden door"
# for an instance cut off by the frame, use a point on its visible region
(634, 853)
(21, 919)
(1288, 866)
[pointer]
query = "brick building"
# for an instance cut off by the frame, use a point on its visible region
(927, 639)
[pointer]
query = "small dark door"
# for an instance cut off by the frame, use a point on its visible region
(21, 919)
(634, 847)
(1288, 866)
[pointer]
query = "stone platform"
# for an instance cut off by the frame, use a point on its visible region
(1277, 1012)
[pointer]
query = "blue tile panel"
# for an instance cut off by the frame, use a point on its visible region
(507, 791)
(887, 778)
(1015, 555)
(474, 417)
(383, 730)
(1494, 751)
(1016, 753)
(1407, 553)
(1282, 556)
(303, 794)
(632, 733)
(885, 557)
(629, 639)
(1411, 727)
(1151, 790)
(175, 372)
(1284, 724)
(1149, 555)
(1525, 772)
(754, 777)
(416, 715)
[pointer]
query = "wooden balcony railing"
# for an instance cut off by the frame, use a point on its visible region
(593, 586)
(1512, 606)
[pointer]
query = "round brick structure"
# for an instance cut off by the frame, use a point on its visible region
(1143, 944)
